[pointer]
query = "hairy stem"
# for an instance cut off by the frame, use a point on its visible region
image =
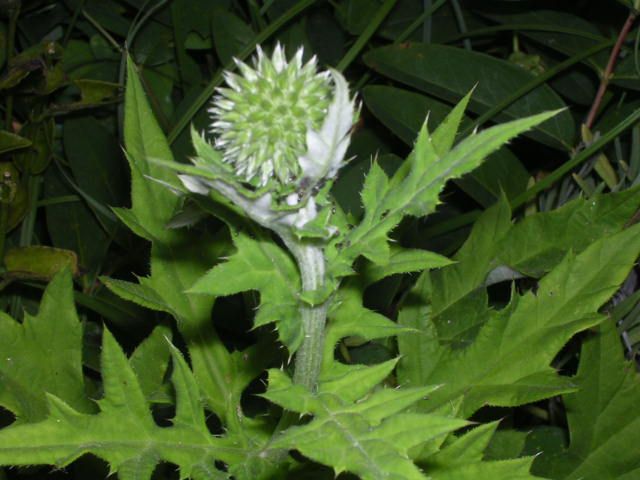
(312, 266)
(311, 262)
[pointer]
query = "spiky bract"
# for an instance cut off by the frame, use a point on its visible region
(262, 118)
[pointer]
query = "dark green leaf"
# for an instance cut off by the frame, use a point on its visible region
(449, 73)
(10, 141)
(603, 418)
(531, 331)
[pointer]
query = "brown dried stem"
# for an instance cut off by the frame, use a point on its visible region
(608, 72)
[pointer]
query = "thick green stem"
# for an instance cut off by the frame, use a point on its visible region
(309, 356)
(311, 263)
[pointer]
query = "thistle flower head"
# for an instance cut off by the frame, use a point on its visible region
(262, 118)
(282, 131)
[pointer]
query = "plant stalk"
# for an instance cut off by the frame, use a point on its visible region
(608, 72)
(311, 263)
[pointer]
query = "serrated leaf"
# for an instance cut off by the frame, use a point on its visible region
(403, 112)
(604, 422)
(415, 187)
(124, 432)
(462, 459)
(517, 343)
(531, 247)
(353, 383)
(536, 244)
(506, 444)
(43, 354)
(445, 135)
(368, 436)
(459, 304)
(178, 257)
(150, 361)
(404, 260)
(153, 204)
(467, 448)
(140, 294)
(259, 264)
(464, 157)
(349, 317)
(517, 469)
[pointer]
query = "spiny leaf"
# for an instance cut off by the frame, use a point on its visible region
(404, 260)
(539, 242)
(150, 361)
(508, 362)
(152, 204)
(603, 416)
(349, 317)
(467, 448)
(415, 187)
(462, 459)
(141, 294)
(517, 469)
(459, 302)
(445, 135)
(531, 247)
(364, 433)
(259, 264)
(123, 433)
(178, 258)
(43, 354)
(448, 73)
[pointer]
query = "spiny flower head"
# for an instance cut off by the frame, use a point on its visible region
(262, 119)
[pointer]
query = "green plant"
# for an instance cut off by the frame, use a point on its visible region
(355, 425)
(312, 303)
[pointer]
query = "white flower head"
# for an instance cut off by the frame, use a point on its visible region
(282, 120)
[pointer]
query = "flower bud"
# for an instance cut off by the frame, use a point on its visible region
(272, 117)
(262, 117)
(281, 130)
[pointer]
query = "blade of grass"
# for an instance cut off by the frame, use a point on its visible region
(419, 21)
(522, 27)
(634, 156)
(427, 25)
(72, 23)
(585, 154)
(462, 24)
